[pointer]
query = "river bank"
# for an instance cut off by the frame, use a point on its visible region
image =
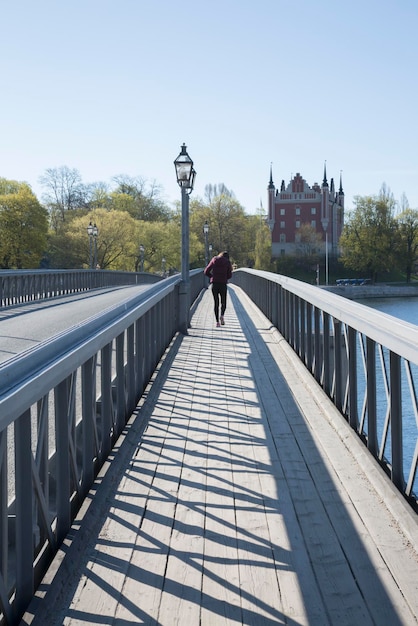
(359, 292)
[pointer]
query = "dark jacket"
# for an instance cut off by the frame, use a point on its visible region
(219, 270)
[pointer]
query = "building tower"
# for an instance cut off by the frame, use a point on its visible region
(298, 204)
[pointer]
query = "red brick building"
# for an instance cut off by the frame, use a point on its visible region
(288, 208)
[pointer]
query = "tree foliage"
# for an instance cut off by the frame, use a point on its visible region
(368, 240)
(229, 226)
(142, 202)
(263, 247)
(23, 226)
(71, 246)
(407, 241)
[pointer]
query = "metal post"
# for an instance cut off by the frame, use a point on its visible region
(185, 174)
(326, 258)
(95, 250)
(141, 250)
(185, 279)
(206, 232)
(325, 222)
(90, 251)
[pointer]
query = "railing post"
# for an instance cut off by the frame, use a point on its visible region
(89, 418)
(337, 365)
(24, 512)
(63, 461)
(352, 379)
(317, 344)
(371, 396)
(396, 421)
(326, 353)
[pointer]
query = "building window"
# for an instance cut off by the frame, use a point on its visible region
(282, 238)
(297, 238)
(282, 224)
(297, 210)
(282, 252)
(297, 225)
(282, 211)
(313, 210)
(313, 223)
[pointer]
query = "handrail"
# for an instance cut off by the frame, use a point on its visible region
(63, 404)
(366, 361)
(19, 286)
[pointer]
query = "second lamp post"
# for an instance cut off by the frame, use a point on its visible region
(206, 233)
(92, 232)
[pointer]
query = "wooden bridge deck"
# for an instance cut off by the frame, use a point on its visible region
(237, 495)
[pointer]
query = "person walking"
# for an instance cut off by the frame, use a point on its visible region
(219, 270)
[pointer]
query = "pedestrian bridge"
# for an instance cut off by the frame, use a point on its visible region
(238, 492)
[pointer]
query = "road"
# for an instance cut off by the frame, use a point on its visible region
(25, 326)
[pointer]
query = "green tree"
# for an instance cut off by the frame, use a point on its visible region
(230, 228)
(23, 226)
(145, 202)
(407, 244)
(162, 240)
(227, 225)
(69, 246)
(262, 245)
(369, 236)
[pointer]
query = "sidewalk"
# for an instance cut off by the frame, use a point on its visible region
(236, 495)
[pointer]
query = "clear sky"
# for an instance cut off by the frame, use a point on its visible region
(116, 86)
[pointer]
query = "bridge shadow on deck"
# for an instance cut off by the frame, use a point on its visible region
(216, 506)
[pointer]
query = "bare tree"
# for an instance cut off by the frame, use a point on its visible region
(64, 191)
(213, 191)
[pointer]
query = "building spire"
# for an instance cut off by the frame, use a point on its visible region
(341, 192)
(271, 184)
(324, 182)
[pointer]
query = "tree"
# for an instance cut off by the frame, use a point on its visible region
(142, 202)
(219, 189)
(23, 226)
(369, 237)
(65, 191)
(116, 240)
(229, 228)
(263, 249)
(310, 243)
(227, 224)
(407, 244)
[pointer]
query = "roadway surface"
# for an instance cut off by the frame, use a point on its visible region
(25, 326)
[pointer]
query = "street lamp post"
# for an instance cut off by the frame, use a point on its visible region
(95, 234)
(210, 250)
(141, 252)
(185, 177)
(206, 232)
(325, 222)
(92, 232)
(163, 266)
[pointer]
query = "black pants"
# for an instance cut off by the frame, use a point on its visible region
(219, 293)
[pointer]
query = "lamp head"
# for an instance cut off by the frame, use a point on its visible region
(184, 169)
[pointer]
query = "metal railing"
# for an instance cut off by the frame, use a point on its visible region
(365, 361)
(17, 287)
(62, 407)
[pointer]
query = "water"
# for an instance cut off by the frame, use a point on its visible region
(405, 309)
